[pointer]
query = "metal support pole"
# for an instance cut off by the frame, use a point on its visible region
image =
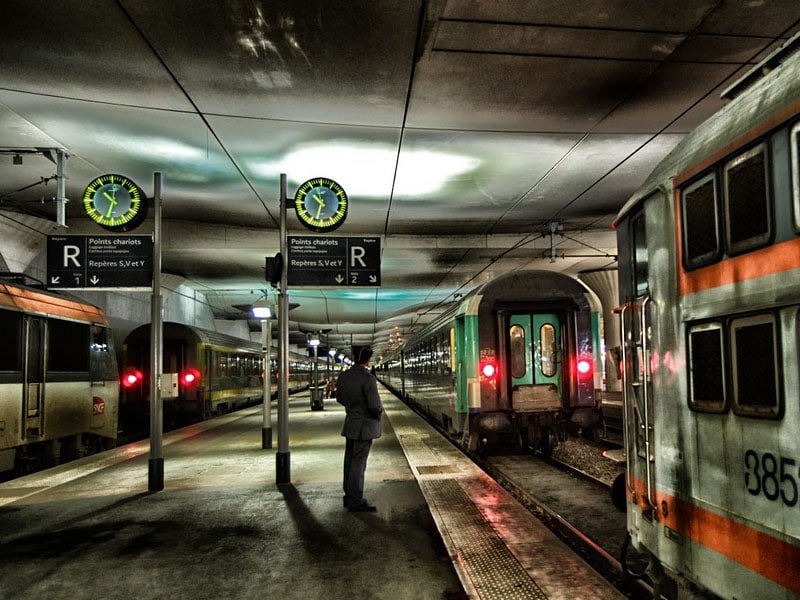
(266, 342)
(61, 187)
(155, 476)
(282, 457)
(316, 393)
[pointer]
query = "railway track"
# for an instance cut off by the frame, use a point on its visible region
(575, 503)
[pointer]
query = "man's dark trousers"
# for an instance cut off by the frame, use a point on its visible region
(355, 463)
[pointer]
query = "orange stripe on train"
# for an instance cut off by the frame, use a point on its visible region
(771, 260)
(773, 558)
(45, 304)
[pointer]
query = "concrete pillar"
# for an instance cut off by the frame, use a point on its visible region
(604, 283)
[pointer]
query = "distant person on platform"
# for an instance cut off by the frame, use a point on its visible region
(357, 391)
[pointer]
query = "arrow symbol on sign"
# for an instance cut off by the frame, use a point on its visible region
(373, 279)
(55, 279)
(95, 279)
(339, 279)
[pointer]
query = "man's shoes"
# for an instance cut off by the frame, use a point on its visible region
(363, 507)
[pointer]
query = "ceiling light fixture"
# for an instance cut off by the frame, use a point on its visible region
(368, 168)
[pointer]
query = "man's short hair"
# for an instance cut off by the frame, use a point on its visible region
(362, 354)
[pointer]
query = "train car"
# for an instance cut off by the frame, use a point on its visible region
(59, 387)
(709, 280)
(510, 361)
(216, 373)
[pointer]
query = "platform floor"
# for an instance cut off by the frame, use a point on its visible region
(222, 528)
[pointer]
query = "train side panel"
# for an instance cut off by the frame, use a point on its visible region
(710, 323)
(58, 379)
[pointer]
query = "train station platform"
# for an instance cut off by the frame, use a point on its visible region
(222, 528)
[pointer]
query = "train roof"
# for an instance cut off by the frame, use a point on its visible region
(775, 80)
(520, 287)
(197, 335)
(48, 304)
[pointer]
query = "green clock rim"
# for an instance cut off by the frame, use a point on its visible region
(304, 216)
(137, 210)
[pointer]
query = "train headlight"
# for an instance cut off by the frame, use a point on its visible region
(131, 378)
(190, 377)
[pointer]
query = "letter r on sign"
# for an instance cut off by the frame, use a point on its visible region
(71, 254)
(356, 254)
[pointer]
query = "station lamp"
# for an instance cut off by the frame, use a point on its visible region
(261, 310)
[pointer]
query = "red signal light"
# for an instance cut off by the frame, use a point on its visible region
(131, 377)
(584, 367)
(190, 377)
(488, 369)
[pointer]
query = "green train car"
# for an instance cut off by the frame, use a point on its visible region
(511, 361)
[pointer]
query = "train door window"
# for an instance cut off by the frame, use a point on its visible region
(172, 359)
(518, 347)
(448, 354)
(748, 217)
(34, 365)
(547, 336)
(755, 365)
(222, 364)
(11, 348)
(796, 172)
(700, 218)
(99, 339)
(706, 368)
(68, 346)
(639, 242)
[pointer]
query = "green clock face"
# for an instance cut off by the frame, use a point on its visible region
(115, 203)
(321, 204)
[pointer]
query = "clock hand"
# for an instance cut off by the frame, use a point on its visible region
(112, 201)
(321, 201)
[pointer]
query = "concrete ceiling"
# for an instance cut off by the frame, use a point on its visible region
(461, 129)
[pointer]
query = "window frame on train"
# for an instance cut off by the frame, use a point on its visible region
(794, 145)
(696, 212)
(639, 253)
(60, 333)
(739, 363)
(727, 205)
(736, 242)
(744, 355)
(11, 354)
(701, 363)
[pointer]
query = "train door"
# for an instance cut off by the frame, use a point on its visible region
(535, 363)
(33, 377)
(461, 407)
(636, 326)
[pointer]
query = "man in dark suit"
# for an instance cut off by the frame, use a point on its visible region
(357, 390)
